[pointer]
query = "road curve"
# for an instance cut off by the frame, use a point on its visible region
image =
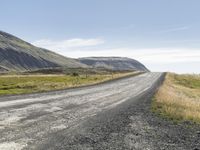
(77, 118)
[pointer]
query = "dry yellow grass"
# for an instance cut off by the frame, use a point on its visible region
(179, 98)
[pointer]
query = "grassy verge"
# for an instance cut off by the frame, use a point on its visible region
(179, 98)
(22, 84)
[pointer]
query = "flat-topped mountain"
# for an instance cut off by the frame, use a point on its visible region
(114, 63)
(18, 55)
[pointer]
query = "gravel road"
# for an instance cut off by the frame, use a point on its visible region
(113, 115)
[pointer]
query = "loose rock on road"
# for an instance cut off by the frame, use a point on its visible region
(112, 115)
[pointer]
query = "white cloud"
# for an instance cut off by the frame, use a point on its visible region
(164, 55)
(156, 59)
(182, 28)
(157, 55)
(67, 44)
(89, 47)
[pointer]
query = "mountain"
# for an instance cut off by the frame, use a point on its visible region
(114, 63)
(18, 55)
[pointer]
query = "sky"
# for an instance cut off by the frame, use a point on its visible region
(162, 34)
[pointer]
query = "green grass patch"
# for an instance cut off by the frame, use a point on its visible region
(22, 84)
(190, 81)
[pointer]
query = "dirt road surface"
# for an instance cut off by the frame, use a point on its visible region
(112, 115)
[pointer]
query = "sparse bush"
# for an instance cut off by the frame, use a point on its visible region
(75, 74)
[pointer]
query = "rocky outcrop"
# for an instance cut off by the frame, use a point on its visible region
(114, 63)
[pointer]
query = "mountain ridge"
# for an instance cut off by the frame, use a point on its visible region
(19, 55)
(114, 63)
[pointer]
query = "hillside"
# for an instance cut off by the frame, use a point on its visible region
(18, 55)
(114, 63)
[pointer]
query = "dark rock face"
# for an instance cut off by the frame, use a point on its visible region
(2, 69)
(19, 55)
(114, 63)
(14, 59)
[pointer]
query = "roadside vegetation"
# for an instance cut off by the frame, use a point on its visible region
(179, 98)
(31, 83)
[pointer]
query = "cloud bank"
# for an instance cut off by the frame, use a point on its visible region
(157, 59)
(66, 44)
(182, 28)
